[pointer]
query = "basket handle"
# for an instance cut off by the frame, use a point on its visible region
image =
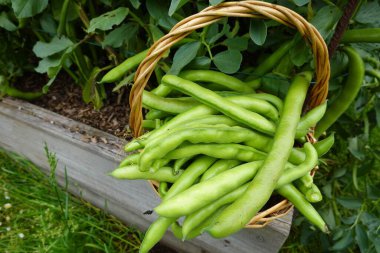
(250, 9)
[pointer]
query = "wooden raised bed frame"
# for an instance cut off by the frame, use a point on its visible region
(26, 128)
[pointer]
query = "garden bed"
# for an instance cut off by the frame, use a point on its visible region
(88, 154)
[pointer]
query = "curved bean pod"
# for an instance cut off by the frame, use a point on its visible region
(132, 172)
(210, 98)
(299, 201)
(356, 70)
(220, 78)
(158, 148)
(222, 151)
(194, 198)
(158, 228)
(238, 214)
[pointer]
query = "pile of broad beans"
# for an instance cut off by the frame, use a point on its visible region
(219, 149)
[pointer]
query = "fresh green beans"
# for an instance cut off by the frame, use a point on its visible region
(161, 146)
(220, 78)
(369, 35)
(237, 215)
(132, 172)
(117, 72)
(299, 201)
(310, 119)
(158, 228)
(216, 187)
(222, 151)
(221, 104)
(170, 105)
(351, 88)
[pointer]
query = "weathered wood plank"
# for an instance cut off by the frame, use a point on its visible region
(26, 128)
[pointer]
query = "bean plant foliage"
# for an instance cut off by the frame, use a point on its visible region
(85, 39)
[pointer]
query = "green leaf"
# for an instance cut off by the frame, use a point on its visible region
(228, 61)
(238, 43)
(201, 62)
(156, 32)
(107, 20)
(28, 8)
(175, 5)
(361, 238)
(159, 11)
(349, 202)
(354, 146)
(56, 45)
(258, 31)
(344, 242)
(48, 62)
(213, 33)
(300, 2)
(349, 220)
(6, 23)
(117, 36)
(135, 3)
(215, 2)
(5, 2)
(48, 24)
(300, 53)
(369, 13)
(339, 172)
(326, 19)
(71, 12)
(183, 56)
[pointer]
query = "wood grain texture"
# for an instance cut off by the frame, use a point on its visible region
(26, 128)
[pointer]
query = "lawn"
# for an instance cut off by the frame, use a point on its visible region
(36, 215)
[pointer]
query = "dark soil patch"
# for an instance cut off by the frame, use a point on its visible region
(65, 98)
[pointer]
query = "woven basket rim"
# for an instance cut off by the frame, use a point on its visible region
(246, 9)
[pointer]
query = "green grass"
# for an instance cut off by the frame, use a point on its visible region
(37, 215)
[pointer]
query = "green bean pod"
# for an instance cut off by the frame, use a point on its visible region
(196, 218)
(133, 172)
(163, 188)
(161, 90)
(210, 98)
(299, 201)
(218, 167)
(310, 119)
(307, 180)
(130, 159)
(312, 194)
(205, 192)
(158, 148)
(323, 146)
(177, 229)
(356, 70)
(309, 163)
(156, 114)
(238, 214)
(169, 105)
(197, 112)
(220, 78)
(158, 228)
(368, 35)
(117, 72)
(180, 162)
(221, 151)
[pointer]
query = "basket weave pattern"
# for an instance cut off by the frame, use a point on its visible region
(212, 14)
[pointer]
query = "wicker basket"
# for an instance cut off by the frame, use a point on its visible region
(212, 14)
